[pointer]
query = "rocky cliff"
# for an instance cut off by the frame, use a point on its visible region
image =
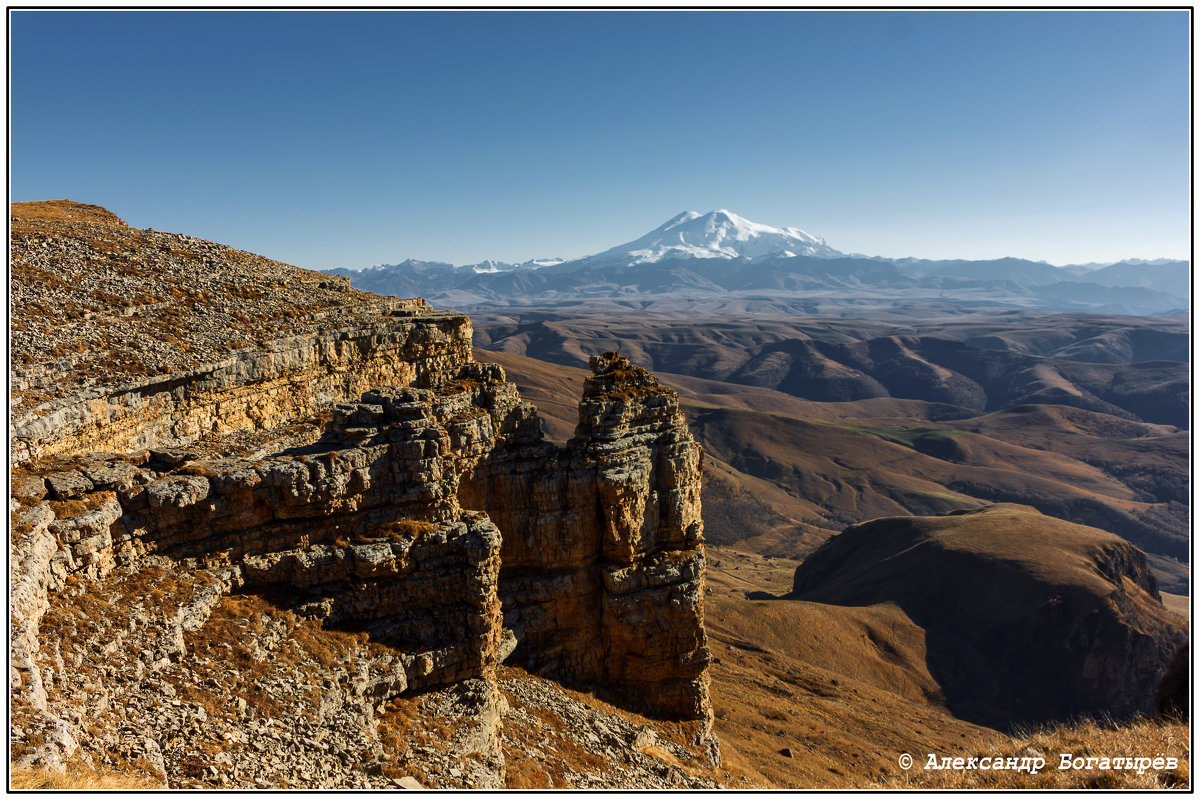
(603, 568)
(225, 563)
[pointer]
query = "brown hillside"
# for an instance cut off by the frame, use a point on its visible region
(96, 303)
(26, 216)
(982, 362)
(847, 689)
(858, 469)
(783, 474)
(1027, 618)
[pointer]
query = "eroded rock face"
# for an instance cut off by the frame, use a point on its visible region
(251, 389)
(435, 518)
(226, 463)
(123, 338)
(603, 561)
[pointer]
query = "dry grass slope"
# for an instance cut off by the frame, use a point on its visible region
(1141, 738)
(95, 301)
(847, 690)
(79, 778)
(24, 214)
(822, 466)
(844, 690)
(1028, 619)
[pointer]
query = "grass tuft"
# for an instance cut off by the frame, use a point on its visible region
(78, 778)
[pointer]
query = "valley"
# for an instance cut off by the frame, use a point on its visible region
(805, 433)
(788, 467)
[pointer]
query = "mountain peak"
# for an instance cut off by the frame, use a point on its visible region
(717, 234)
(678, 219)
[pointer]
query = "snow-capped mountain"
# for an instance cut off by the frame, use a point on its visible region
(717, 234)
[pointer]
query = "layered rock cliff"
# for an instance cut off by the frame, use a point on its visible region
(603, 568)
(375, 512)
(125, 338)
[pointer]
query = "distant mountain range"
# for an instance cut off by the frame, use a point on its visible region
(720, 255)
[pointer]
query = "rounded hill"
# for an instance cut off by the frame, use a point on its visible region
(1027, 618)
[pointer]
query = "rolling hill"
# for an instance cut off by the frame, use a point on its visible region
(1027, 619)
(983, 363)
(782, 474)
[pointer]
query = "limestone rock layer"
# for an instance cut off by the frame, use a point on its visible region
(207, 441)
(602, 571)
(434, 517)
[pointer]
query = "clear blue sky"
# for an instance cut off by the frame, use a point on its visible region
(352, 138)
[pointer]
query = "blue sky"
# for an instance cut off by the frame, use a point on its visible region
(330, 139)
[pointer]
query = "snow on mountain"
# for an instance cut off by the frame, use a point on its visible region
(486, 267)
(720, 254)
(717, 234)
(489, 266)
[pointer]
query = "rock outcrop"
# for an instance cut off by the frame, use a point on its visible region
(124, 338)
(428, 516)
(603, 566)
(256, 389)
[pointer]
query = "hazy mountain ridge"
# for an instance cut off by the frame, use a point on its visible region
(1133, 370)
(720, 253)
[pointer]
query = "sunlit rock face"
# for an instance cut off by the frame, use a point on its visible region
(239, 482)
